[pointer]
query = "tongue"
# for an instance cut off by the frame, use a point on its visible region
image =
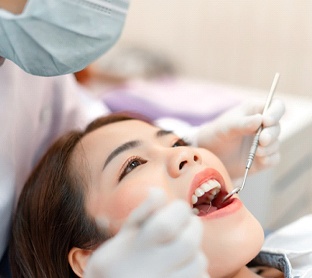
(205, 209)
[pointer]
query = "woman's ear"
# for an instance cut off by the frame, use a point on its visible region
(77, 259)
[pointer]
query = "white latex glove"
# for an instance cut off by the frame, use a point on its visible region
(157, 240)
(230, 136)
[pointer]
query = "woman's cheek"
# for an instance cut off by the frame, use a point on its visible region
(133, 192)
(127, 198)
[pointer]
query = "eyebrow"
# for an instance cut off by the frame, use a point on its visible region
(131, 145)
(163, 132)
(124, 147)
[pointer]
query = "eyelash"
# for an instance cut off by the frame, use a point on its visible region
(180, 143)
(126, 168)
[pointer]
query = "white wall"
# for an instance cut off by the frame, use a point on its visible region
(241, 42)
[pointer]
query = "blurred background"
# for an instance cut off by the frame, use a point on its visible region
(242, 42)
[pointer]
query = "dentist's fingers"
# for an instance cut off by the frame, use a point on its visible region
(252, 107)
(274, 113)
(197, 268)
(161, 239)
(267, 161)
(275, 110)
(271, 117)
(269, 135)
(155, 200)
(247, 124)
(182, 256)
(268, 150)
(167, 223)
(185, 247)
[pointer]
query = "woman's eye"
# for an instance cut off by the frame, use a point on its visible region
(130, 165)
(180, 143)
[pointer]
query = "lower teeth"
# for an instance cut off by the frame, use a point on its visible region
(196, 211)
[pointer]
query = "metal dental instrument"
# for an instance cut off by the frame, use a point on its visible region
(255, 142)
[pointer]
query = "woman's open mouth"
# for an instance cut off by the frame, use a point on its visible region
(208, 195)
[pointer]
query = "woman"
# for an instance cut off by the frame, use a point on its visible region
(108, 171)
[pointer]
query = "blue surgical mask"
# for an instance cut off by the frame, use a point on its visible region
(55, 37)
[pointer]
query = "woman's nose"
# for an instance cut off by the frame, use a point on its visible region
(181, 158)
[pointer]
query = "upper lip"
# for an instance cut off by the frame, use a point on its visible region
(203, 177)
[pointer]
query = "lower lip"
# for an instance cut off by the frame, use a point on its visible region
(231, 208)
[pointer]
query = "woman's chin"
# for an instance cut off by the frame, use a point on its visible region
(230, 244)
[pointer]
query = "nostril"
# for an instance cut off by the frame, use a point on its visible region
(182, 164)
(195, 158)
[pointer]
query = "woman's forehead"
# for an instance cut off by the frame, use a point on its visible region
(128, 127)
(118, 133)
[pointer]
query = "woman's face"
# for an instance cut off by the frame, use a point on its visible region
(127, 158)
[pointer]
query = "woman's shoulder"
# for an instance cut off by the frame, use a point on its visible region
(293, 243)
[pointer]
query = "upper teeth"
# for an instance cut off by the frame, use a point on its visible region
(212, 185)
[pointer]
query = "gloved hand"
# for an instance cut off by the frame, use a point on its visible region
(230, 136)
(157, 240)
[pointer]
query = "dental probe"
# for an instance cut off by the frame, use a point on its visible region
(255, 141)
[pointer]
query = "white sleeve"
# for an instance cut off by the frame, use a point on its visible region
(34, 111)
(296, 236)
(69, 106)
(75, 105)
(295, 241)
